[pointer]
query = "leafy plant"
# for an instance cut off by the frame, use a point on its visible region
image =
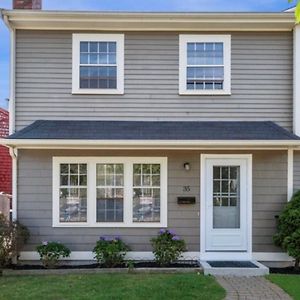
(167, 247)
(51, 252)
(110, 251)
(297, 9)
(13, 236)
(288, 235)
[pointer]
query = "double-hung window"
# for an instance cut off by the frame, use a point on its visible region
(109, 192)
(98, 64)
(204, 64)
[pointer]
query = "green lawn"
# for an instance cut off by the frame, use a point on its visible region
(112, 286)
(289, 283)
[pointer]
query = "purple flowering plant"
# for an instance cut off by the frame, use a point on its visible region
(110, 251)
(167, 247)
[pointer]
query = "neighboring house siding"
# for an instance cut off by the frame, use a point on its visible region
(261, 81)
(5, 159)
(296, 170)
(35, 199)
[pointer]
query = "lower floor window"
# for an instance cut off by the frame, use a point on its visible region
(108, 191)
(146, 192)
(73, 193)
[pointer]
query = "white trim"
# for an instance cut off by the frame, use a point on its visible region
(271, 256)
(126, 21)
(76, 39)
(147, 255)
(296, 81)
(183, 40)
(91, 191)
(12, 76)
(290, 174)
(226, 256)
(203, 220)
(110, 144)
(14, 156)
(89, 255)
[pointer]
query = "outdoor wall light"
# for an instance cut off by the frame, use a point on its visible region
(187, 166)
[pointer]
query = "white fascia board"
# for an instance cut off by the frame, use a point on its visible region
(114, 21)
(133, 144)
(296, 97)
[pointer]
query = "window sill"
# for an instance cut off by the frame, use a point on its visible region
(208, 93)
(110, 225)
(98, 92)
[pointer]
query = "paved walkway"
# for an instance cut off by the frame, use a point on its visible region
(251, 288)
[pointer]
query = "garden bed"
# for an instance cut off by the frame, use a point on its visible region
(287, 270)
(135, 267)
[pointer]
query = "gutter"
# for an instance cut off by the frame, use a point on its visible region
(144, 144)
(12, 77)
(14, 155)
(149, 21)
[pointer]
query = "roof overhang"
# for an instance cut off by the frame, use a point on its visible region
(125, 21)
(148, 144)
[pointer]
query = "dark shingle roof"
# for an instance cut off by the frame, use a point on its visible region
(156, 130)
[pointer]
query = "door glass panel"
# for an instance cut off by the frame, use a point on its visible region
(226, 197)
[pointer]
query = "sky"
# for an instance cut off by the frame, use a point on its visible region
(131, 5)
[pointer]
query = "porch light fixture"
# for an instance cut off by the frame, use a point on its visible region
(187, 166)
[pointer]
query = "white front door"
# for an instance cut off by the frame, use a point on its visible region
(226, 202)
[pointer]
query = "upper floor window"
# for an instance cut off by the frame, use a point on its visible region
(204, 64)
(98, 64)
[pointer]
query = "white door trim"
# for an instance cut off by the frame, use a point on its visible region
(225, 255)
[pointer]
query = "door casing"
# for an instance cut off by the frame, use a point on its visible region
(225, 255)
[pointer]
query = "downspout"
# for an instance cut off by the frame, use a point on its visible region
(12, 75)
(14, 155)
(290, 173)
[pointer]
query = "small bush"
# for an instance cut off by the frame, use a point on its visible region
(288, 235)
(110, 251)
(167, 247)
(51, 252)
(13, 236)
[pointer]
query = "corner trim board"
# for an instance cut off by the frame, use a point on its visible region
(12, 76)
(296, 80)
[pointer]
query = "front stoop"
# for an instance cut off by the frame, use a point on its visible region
(260, 270)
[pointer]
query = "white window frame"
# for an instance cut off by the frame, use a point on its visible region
(128, 190)
(79, 37)
(203, 38)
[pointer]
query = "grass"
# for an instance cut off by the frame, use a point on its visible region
(289, 283)
(111, 286)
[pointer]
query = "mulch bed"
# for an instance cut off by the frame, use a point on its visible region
(140, 264)
(288, 270)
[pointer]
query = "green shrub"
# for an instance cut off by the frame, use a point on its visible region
(13, 236)
(110, 251)
(51, 252)
(288, 235)
(167, 247)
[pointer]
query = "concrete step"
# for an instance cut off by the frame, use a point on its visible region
(236, 268)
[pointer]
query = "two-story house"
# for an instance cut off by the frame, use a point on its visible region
(125, 123)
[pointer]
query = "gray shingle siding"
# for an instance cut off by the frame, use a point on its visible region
(296, 170)
(35, 199)
(261, 81)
